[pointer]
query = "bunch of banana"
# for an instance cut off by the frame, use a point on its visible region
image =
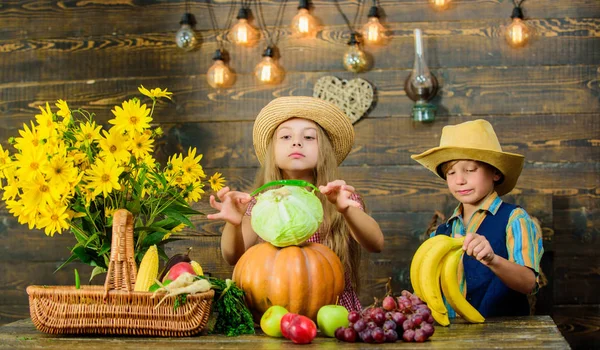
(434, 270)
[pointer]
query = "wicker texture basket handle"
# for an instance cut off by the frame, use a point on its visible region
(122, 271)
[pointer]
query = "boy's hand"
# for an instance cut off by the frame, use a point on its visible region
(338, 193)
(232, 206)
(478, 247)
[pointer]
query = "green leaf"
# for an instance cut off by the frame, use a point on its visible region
(153, 238)
(179, 217)
(72, 258)
(97, 271)
(82, 255)
(184, 209)
(105, 248)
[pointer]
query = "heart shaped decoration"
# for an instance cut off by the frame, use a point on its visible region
(354, 97)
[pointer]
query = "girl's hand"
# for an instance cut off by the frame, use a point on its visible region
(478, 247)
(231, 207)
(338, 193)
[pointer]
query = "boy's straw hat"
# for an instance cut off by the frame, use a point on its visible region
(333, 121)
(473, 140)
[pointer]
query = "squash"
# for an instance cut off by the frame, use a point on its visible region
(299, 278)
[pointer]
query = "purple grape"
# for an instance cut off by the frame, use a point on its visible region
(416, 319)
(399, 318)
(360, 325)
(349, 335)
(390, 335)
(379, 317)
(371, 325)
(420, 336)
(378, 335)
(408, 335)
(366, 336)
(389, 315)
(408, 324)
(353, 316)
(388, 303)
(389, 324)
(339, 333)
(428, 329)
(430, 319)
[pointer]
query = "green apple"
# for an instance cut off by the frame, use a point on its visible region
(271, 320)
(331, 317)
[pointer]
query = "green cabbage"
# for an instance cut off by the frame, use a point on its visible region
(286, 216)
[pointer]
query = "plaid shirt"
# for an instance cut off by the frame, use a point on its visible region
(348, 299)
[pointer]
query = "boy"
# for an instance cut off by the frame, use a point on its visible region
(503, 247)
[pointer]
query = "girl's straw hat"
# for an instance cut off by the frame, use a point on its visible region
(473, 140)
(336, 124)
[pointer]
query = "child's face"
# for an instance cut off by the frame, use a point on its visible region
(470, 181)
(296, 146)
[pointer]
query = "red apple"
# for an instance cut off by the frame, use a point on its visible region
(178, 269)
(285, 323)
(301, 329)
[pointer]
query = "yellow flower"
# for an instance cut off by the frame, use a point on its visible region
(88, 133)
(108, 212)
(132, 117)
(141, 145)
(10, 192)
(60, 171)
(216, 182)
(195, 194)
(155, 93)
(192, 170)
(4, 161)
(29, 137)
(174, 230)
(45, 122)
(114, 146)
(63, 111)
(30, 163)
(103, 177)
(52, 219)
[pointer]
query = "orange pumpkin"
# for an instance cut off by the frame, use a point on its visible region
(299, 278)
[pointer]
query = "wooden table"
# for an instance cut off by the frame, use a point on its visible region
(532, 332)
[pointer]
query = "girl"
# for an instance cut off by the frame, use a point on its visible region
(304, 138)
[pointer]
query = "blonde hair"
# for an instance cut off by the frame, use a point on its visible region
(335, 229)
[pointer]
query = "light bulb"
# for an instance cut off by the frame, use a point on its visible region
(219, 75)
(304, 25)
(268, 71)
(355, 60)
(440, 4)
(517, 33)
(373, 32)
(185, 37)
(242, 33)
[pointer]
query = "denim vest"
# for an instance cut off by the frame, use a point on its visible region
(485, 291)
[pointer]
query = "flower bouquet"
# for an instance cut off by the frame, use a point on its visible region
(68, 173)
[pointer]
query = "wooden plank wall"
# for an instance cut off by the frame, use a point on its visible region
(543, 101)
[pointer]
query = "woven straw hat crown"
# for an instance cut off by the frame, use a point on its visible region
(473, 140)
(334, 122)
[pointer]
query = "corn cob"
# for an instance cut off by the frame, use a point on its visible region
(148, 270)
(197, 268)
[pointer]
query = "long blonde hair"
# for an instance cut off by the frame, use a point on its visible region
(337, 233)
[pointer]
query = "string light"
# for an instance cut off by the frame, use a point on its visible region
(219, 75)
(355, 60)
(242, 33)
(304, 25)
(440, 4)
(268, 70)
(185, 37)
(518, 33)
(373, 32)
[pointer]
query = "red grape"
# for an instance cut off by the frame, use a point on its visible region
(389, 303)
(406, 293)
(366, 336)
(390, 335)
(349, 335)
(389, 324)
(399, 318)
(427, 328)
(416, 319)
(378, 317)
(415, 300)
(353, 316)
(408, 335)
(408, 324)
(371, 325)
(339, 333)
(420, 336)
(378, 335)
(360, 325)
(389, 315)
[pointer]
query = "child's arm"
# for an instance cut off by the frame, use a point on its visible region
(237, 235)
(515, 276)
(363, 227)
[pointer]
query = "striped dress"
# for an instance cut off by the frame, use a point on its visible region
(348, 299)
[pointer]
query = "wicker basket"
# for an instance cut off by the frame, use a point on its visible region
(116, 308)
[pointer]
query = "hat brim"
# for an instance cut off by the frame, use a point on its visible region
(509, 164)
(334, 122)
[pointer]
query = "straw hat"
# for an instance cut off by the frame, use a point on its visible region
(473, 140)
(335, 123)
